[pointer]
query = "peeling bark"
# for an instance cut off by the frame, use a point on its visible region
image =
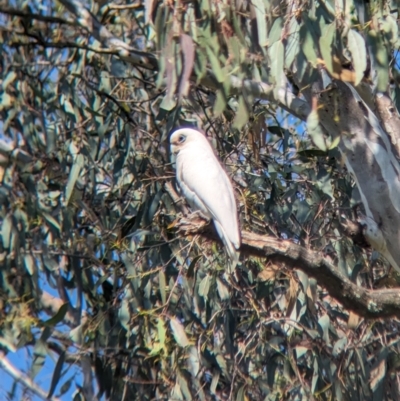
(372, 159)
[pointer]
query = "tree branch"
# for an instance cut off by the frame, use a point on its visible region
(63, 45)
(23, 378)
(112, 45)
(38, 17)
(364, 302)
(90, 23)
(285, 98)
(53, 304)
(389, 118)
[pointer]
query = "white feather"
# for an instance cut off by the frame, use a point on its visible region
(206, 186)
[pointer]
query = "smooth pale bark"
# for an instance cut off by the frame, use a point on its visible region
(371, 157)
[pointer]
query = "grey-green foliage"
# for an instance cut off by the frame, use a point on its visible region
(84, 209)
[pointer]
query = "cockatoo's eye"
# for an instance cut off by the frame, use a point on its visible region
(181, 138)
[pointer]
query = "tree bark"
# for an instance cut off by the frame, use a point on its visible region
(364, 302)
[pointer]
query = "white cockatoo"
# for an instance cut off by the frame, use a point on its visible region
(206, 186)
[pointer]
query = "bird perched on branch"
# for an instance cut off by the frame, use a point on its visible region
(206, 186)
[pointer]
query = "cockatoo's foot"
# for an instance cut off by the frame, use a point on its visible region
(198, 215)
(190, 224)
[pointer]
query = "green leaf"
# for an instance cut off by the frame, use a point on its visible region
(277, 54)
(7, 345)
(58, 317)
(335, 143)
(326, 45)
(67, 106)
(310, 153)
(6, 230)
(204, 286)
(193, 361)
(303, 277)
(183, 384)
(259, 9)
(178, 332)
(292, 46)
(315, 131)
(315, 375)
(380, 60)
(223, 291)
(5, 101)
(161, 330)
(155, 203)
(276, 130)
(220, 103)
(52, 221)
(190, 271)
(237, 28)
(391, 30)
(215, 65)
(168, 103)
(276, 31)
(76, 335)
(73, 176)
(215, 381)
(357, 48)
(10, 78)
(240, 396)
(309, 45)
(325, 184)
(324, 323)
(242, 115)
(378, 374)
(162, 285)
(124, 314)
(56, 374)
(66, 386)
(200, 65)
(339, 346)
(300, 351)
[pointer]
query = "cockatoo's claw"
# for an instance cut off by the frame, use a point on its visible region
(198, 215)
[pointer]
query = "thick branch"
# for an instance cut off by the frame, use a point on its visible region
(23, 378)
(364, 302)
(372, 159)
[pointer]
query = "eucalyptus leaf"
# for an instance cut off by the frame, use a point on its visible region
(356, 46)
(178, 332)
(315, 131)
(73, 176)
(327, 47)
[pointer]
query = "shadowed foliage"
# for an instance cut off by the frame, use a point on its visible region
(98, 280)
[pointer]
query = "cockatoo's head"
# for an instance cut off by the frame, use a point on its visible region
(184, 136)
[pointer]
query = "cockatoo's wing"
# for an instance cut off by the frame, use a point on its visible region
(206, 185)
(189, 192)
(230, 247)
